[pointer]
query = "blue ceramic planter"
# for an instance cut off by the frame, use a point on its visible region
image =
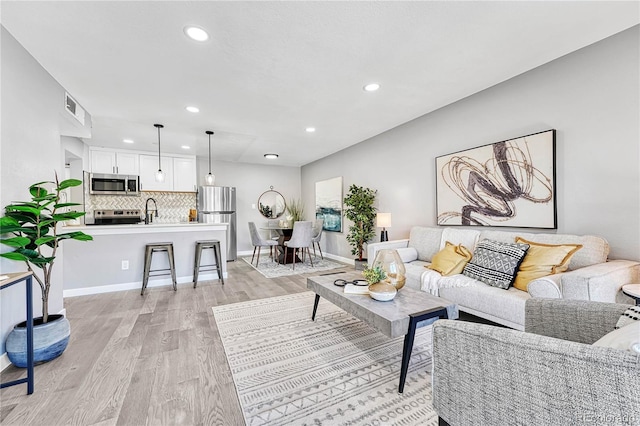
(49, 340)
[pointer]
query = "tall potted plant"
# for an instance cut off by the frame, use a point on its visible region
(31, 228)
(360, 211)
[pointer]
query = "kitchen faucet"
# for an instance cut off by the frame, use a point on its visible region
(148, 217)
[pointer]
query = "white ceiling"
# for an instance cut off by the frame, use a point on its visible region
(271, 69)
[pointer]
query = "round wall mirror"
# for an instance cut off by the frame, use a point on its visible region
(271, 204)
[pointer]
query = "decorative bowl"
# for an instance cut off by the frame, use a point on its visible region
(382, 291)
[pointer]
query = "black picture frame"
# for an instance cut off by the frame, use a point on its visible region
(511, 183)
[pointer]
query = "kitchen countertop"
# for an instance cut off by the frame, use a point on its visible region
(147, 229)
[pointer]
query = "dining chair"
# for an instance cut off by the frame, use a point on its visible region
(274, 234)
(317, 230)
(258, 242)
(301, 238)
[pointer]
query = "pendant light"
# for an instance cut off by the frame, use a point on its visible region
(159, 174)
(210, 179)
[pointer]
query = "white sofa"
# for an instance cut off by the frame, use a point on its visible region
(589, 277)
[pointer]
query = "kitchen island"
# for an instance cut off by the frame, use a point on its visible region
(114, 260)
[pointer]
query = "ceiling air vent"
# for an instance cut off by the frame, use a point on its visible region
(73, 108)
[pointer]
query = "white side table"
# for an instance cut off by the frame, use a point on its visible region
(632, 290)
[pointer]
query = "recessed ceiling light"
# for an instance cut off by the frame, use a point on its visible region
(371, 87)
(196, 33)
(127, 140)
(310, 129)
(192, 109)
(185, 147)
(271, 156)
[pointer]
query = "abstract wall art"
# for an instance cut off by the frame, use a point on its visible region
(329, 203)
(509, 183)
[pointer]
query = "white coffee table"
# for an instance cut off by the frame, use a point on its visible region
(632, 290)
(409, 310)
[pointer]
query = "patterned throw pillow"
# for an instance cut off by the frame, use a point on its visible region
(495, 263)
(628, 317)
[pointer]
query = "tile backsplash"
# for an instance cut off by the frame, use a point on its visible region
(172, 206)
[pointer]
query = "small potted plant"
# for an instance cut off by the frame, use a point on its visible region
(359, 209)
(295, 208)
(31, 228)
(374, 275)
(379, 288)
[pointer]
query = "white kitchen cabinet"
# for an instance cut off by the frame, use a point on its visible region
(127, 163)
(113, 161)
(184, 174)
(179, 171)
(103, 161)
(148, 169)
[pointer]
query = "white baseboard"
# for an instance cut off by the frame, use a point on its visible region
(137, 285)
(346, 260)
(4, 361)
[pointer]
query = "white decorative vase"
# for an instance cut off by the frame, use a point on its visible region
(391, 263)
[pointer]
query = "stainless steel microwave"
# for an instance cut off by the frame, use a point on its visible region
(107, 184)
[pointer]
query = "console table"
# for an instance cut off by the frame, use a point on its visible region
(12, 279)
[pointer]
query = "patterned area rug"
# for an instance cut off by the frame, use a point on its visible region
(337, 370)
(271, 269)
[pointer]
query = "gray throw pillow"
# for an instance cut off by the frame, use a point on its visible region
(495, 263)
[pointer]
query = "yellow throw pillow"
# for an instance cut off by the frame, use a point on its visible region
(542, 260)
(451, 259)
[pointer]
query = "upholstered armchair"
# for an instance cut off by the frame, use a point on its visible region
(550, 374)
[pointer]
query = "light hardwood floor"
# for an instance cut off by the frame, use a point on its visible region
(133, 360)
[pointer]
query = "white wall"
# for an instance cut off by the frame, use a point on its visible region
(32, 116)
(75, 154)
(251, 180)
(590, 96)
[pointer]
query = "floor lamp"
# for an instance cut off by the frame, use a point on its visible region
(383, 220)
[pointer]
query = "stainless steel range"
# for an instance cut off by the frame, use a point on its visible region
(116, 217)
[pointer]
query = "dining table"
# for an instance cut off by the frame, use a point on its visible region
(284, 234)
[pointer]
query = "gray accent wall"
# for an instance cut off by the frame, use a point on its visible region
(33, 120)
(590, 96)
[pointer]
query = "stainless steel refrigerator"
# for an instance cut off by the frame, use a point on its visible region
(217, 204)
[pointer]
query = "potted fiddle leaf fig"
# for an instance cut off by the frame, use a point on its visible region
(33, 230)
(359, 209)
